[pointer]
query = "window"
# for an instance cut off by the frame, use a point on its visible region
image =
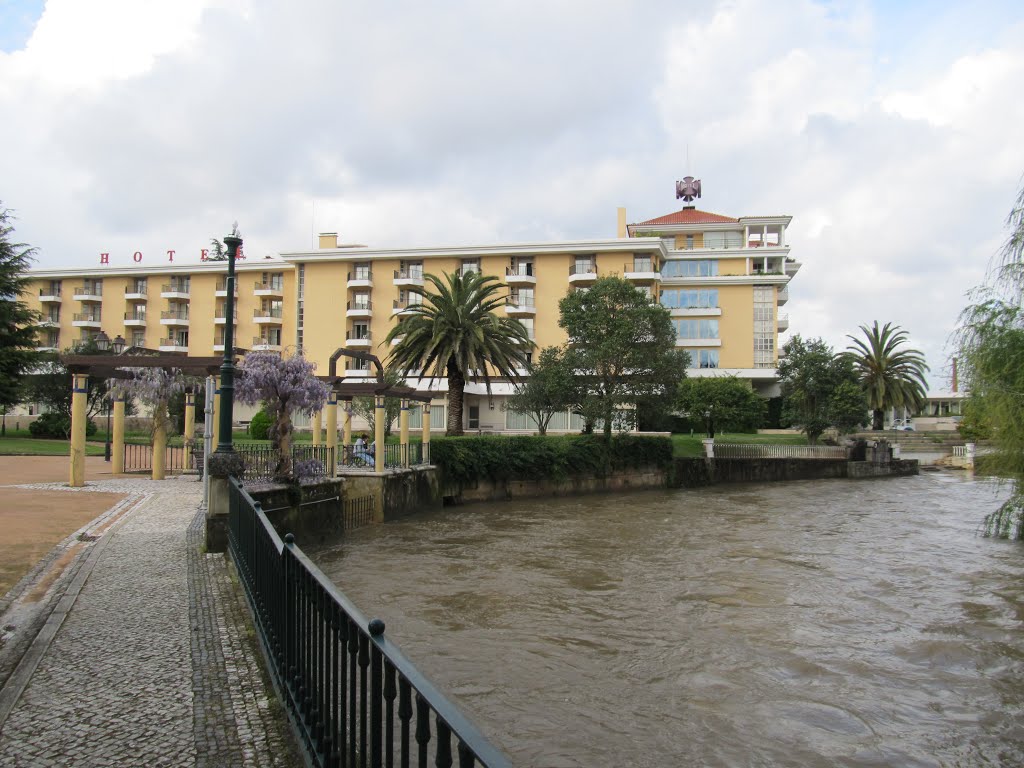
(361, 272)
(528, 324)
(584, 265)
(690, 268)
(274, 336)
(361, 301)
(360, 331)
(469, 265)
(474, 417)
(689, 298)
(523, 297)
(139, 338)
(696, 329)
(689, 242)
(522, 267)
(643, 264)
(181, 338)
(139, 286)
(703, 358)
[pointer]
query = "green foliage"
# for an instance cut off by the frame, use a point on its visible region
(550, 388)
(991, 352)
(259, 427)
(623, 347)
(732, 404)
(56, 426)
(366, 407)
(50, 383)
(820, 389)
(533, 457)
(455, 333)
(973, 425)
(18, 330)
(891, 374)
(176, 410)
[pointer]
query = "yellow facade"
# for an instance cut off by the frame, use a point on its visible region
(723, 283)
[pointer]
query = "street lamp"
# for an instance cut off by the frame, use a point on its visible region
(104, 344)
(227, 368)
(709, 421)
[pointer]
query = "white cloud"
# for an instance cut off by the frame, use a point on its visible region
(147, 126)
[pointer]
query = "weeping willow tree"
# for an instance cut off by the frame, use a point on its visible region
(991, 346)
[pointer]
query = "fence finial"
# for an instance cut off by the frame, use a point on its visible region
(376, 627)
(289, 539)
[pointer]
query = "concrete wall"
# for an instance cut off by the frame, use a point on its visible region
(311, 513)
(699, 472)
(489, 490)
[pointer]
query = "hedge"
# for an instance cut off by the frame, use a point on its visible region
(531, 457)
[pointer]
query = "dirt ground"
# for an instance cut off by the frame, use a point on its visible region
(33, 522)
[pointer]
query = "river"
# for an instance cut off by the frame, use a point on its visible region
(834, 623)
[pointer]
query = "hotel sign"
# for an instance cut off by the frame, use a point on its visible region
(204, 255)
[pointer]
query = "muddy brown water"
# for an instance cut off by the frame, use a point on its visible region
(836, 623)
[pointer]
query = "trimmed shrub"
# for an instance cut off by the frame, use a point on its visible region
(465, 460)
(56, 426)
(259, 427)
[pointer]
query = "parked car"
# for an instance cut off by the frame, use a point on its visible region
(903, 425)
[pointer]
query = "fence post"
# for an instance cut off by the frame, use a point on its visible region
(378, 433)
(117, 449)
(403, 431)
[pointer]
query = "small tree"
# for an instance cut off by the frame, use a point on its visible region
(820, 389)
(366, 406)
(891, 373)
(283, 386)
(154, 387)
(17, 322)
(550, 388)
(622, 346)
(732, 403)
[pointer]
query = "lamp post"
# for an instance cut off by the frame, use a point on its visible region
(227, 368)
(709, 421)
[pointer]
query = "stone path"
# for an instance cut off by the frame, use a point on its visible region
(154, 662)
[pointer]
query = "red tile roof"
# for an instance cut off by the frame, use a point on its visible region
(688, 216)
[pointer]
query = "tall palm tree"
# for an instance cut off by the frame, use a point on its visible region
(456, 333)
(891, 376)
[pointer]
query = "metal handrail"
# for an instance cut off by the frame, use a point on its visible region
(275, 312)
(368, 305)
(96, 290)
(521, 270)
(259, 341)
(340, 677)
(360, 274)
(86, 316)
(586, 269)
(135, 289)
(261, 286)
(176, 288)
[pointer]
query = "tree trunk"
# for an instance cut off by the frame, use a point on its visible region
(282, 441)
(877, 419)
(456, 392)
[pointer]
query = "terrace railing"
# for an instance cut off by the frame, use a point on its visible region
(353, 696)
(261, 461)
(139, 458)
(770, 451)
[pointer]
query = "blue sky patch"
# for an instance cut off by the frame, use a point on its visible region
(17, 20)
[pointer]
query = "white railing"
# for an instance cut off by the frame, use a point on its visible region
(772, 451)
(959, 451)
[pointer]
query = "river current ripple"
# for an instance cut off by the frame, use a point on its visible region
(835, 623)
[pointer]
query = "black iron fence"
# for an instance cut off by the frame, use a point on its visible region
(358, 512)
(362, 457)
(261, 461)
(353, 695)
(139, 458)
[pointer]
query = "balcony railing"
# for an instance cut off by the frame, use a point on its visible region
(366, 306)
(177, 343)
(357, 336)
(259, 341)
(86, 317)
(95, 291)
(49, 293)
(272, 287)
(171, 315)
(135, 316)
(639, 266)
(526, 302)
(275, 312)
(360, 274)
(520, 270)
(136, 290)
(409, 274)
(175, 288)
(583, 269)
(222, 287)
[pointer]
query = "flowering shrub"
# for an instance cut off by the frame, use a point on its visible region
(283, 386)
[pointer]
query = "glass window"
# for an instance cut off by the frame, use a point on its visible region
(689, 298)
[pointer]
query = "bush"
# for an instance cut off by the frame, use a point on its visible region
(259, 427)
(465, 460)
(56, 426)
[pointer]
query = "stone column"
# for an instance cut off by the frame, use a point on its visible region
(317, 427)
(160, 441)
(347, 424)
(403, 431)
(216, 411)
(332, 429)
(79, 403)
(378, 433)
(426, 433)
(190, 425)
(117, 448)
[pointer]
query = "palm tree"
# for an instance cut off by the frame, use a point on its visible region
(891, 377)
(456, 333)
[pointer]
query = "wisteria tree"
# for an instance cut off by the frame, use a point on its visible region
(154, 387)
(283, 386)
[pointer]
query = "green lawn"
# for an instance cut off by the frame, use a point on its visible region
(24, 446)
(691, 445)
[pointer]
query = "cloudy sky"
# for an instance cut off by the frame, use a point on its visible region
(891, 132)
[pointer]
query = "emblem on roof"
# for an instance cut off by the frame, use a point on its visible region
(688, 188)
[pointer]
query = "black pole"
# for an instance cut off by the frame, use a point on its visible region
(106, 448)
(227, 368)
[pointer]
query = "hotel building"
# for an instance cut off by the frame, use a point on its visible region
(723, 280)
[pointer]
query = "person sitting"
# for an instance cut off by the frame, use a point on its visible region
(362, 454)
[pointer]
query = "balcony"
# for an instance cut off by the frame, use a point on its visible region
(267, 315)
(792, 267)
(516, 306)
(272, 289)
(355, 340)
(641, 271)
(783, 296)
(357, 373)
(85, 320)
(173, 345)
(530, 335)
(135, 319)
(406, 277)
(221, 289)
(174, 291)
(360, 278)
(521, 274)
(88, 293)
(135, 293)
(695, 311)
(261, 344)
(53, 348)
(359, 309)
(49, 322)
(783, 323)
(48, 296)
(174, 318)
(404, 307)
(582, 273)
(220, 318)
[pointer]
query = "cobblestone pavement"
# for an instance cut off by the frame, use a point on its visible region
(155, 664)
